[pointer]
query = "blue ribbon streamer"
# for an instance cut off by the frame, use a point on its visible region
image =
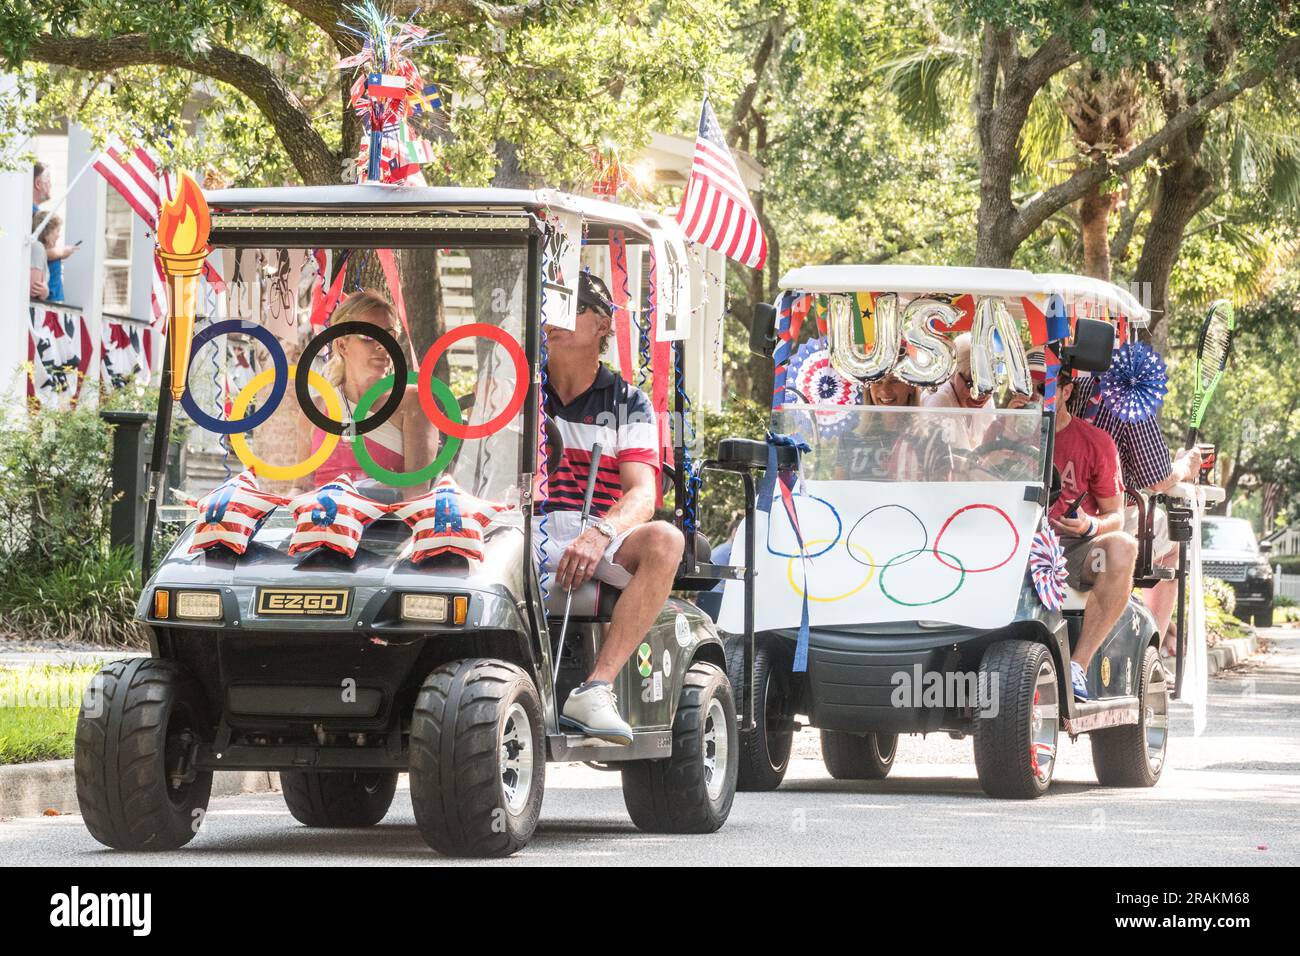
(766, 490)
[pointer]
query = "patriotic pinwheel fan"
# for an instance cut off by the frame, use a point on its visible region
(448, 520)
(1135, 384)
(1047, 567)
(816, 382)
(230, 515)
(333, 516)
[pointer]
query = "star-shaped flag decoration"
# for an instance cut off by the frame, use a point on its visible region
(333, 516)
(230, 514)
(448, 519)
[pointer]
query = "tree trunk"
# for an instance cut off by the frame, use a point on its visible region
(1182, 186)
(1094, 225)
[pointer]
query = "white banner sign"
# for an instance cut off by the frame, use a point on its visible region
(879, 552)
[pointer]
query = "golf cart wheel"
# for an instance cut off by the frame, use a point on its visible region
(858, 756)
(140, 721)
(478, 762)
(338, 799)
(1015, 738)
(1134, 755)
(691, 791)
(764, 751)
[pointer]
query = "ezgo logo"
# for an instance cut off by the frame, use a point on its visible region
(75, 909)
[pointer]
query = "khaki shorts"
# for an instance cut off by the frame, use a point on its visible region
(1077, 552)
(562, 529)
(1160, 543)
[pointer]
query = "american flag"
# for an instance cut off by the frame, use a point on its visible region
(716, 210)
(136, 176)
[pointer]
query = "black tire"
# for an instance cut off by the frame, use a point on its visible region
(1262, 618)
(858, 756)
(1120, 755)
(765, 750)
(137, 719)
(463, 714)
(1005, 756)
(673, 795)
(338, 799)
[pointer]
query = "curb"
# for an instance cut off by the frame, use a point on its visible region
(1232, 652)
(30, 789)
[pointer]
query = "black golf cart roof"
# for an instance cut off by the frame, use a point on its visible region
(425, 208)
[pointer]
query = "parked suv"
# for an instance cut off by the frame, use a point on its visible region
(1230, 552)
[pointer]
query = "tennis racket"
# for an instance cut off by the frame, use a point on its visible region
(1212, 350)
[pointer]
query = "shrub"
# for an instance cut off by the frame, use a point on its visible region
(1224, 596)
(90, 601)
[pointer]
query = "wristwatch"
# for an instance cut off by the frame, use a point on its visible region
(605, 528)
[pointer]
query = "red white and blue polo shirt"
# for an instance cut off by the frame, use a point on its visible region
(617, 415)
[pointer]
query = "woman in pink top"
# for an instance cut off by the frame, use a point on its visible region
(406, 441)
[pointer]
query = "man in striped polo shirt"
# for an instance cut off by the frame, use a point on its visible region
(622, 546)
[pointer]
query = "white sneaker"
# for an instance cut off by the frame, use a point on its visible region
(593, 709)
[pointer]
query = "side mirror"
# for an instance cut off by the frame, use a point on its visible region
(762, 329)
(1265, 547)
(1094, 345)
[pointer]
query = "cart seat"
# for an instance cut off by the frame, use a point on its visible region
(593, 602)
(1074, 600)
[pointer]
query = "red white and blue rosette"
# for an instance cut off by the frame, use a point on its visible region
(1047, 567)
(1134, 386)
(815, 381)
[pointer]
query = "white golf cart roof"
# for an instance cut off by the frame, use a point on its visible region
(449, 200)
(1096, 296)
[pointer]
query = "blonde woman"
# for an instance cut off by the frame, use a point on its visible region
(405, 442)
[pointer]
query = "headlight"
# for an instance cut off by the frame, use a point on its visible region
(435, 608)
(1260, 572)
(198, 605)
(431, 608)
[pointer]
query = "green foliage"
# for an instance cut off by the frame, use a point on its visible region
(62, 582)
(38, 711)
(1220, 596)
(90, 601)
(1220, 602)
(1286, 614)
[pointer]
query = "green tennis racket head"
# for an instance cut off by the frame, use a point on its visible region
(1212, 351)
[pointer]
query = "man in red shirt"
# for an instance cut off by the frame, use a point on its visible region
(622, 545)
(1089, 516)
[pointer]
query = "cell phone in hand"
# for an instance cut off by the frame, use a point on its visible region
(1073, 510)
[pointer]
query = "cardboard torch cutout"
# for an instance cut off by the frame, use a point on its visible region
(183, 227)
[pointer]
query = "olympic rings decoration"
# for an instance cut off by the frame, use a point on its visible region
(279, 369)
(406, 478)
(830, 543)
(789, 573)
(425, 391)
(992, 567)
(907, 556)
(925, 533)
(334, 426)
(239, 442)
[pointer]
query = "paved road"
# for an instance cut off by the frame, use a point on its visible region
(1230, 798)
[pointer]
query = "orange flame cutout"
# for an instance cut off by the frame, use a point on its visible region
(184, 222)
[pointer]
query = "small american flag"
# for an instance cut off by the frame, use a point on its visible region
(716, 210)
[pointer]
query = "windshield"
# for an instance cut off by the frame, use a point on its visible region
(1233, 535)
(875, 443)
(456, 317)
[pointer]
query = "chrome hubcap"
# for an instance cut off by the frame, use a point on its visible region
(516, 758)
(1155, 719)
(717, 741)
(1044, 717)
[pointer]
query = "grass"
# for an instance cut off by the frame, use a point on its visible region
(91, 602)
(38, 710)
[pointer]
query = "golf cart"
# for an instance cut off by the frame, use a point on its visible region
(340, 673)
(903, 551)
